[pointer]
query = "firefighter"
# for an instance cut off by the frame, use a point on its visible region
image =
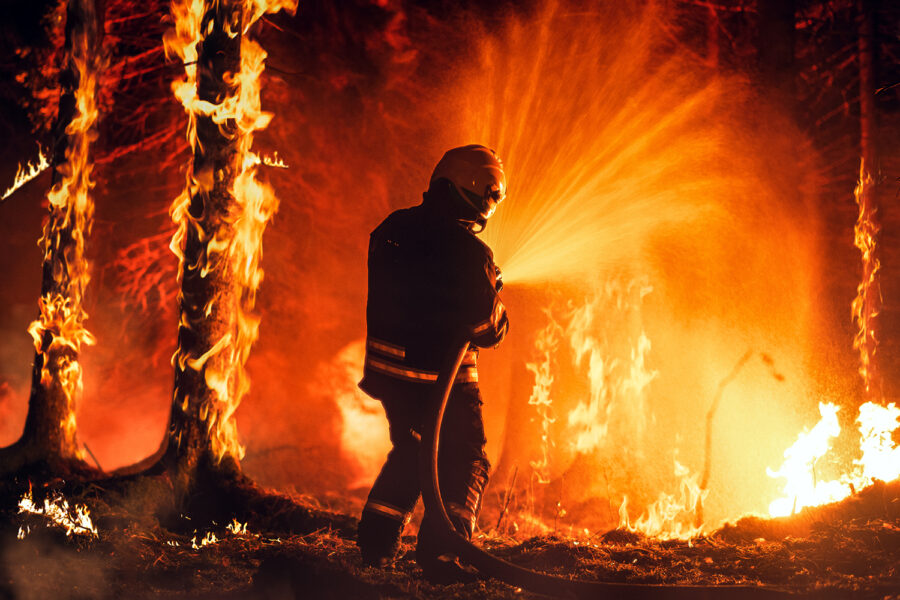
(431, 278)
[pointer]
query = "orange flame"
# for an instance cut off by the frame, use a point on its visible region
(802, 487)
(74, 519)
(672, 516)
(233, 250)
(546, 344)
(866, 305)
(879, 459)
(61, 322)
(364, 435)
(274, 161)
(617, 385)
(879, 454)
(26, 173)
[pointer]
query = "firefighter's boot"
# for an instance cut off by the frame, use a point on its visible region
(378, 538)
(432, 555)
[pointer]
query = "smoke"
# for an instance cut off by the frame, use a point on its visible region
(38, 569)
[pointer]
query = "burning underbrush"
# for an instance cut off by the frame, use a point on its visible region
(844, 550)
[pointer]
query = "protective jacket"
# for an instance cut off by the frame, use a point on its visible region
(429, 279)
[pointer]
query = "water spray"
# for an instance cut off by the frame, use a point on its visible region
(540, 583)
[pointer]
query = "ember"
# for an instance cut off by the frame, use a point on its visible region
(74, 520)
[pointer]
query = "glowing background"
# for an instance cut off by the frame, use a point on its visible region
(630, 166)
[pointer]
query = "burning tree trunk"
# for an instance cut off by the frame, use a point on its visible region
(205, 372)
(59, 332)
(867, 305)
(221, 216)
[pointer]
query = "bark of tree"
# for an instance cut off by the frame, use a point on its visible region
(776, 50)
(712, 37)
(870, 215)
(49, 433)
(208, 299)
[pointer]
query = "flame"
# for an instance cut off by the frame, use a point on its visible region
(26, 173)
(60, 325)
(671, 516)
(76, 520)
(364, 435)
(237, 528)
(879, 455)
(546, 344)
(617, 385)
(866, 305)
(208, 539)
(879, 458)
(802, 487)
(233, 251)
(608, 342)
(274, 161)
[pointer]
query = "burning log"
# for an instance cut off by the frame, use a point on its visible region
(59, 333)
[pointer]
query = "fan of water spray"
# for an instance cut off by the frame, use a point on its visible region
(627, 160)
(606, 141)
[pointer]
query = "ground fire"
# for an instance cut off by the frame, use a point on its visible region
(697, 395)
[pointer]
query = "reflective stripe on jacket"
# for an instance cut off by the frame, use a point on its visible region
(387, 358)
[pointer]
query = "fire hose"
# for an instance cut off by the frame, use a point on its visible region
(540, 583)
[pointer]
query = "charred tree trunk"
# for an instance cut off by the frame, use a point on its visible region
(50, 428)
(868, 304)
(866, 82)
(776, 50)
(208, 296)
(712, 37)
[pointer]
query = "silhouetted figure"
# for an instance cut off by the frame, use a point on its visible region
(431, 278)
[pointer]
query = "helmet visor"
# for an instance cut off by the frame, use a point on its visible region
(493, 196)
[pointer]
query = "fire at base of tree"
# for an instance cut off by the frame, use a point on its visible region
(698, 252)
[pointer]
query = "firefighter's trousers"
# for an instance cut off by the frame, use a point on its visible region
(462, 470)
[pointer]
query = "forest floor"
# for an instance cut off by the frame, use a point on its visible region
(846, 550)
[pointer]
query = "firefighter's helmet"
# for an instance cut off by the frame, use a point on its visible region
(476, 173)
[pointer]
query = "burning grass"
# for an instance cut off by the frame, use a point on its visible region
(845, 550)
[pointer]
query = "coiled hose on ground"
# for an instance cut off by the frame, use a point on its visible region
(536, 582)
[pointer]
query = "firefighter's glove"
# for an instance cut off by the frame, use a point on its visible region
(499, 276)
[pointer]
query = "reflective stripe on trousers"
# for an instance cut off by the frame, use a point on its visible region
(388, 510)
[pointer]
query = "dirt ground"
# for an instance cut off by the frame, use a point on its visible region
(847, 550)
